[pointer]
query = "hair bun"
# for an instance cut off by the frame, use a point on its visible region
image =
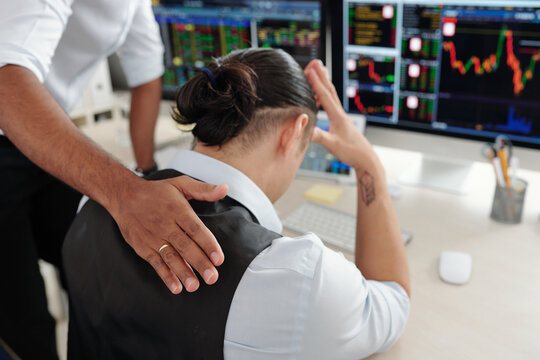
(233, 101)
(250, 93)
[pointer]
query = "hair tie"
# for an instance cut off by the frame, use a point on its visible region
(210, 76)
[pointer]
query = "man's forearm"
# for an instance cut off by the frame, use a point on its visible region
(149, 214)
(38, 126)
(380, 253)
(143, 115)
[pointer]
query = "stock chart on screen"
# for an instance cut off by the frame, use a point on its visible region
(194, 33)
(445, 66)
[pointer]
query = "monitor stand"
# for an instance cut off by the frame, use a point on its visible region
(438, 173)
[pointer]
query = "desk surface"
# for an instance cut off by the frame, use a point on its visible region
(494, 316)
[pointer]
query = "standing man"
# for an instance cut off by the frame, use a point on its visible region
(49, 51)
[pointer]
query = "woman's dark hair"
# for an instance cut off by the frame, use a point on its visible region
(248, 91)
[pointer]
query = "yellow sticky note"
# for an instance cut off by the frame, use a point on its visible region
(323, 193)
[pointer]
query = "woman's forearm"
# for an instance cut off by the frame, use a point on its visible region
(380, 253)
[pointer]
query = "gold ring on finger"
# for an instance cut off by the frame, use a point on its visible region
(162, 247)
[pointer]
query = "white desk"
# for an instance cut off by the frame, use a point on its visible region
(497, 314)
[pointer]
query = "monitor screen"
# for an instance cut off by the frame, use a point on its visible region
(319, 162)
(195, 32)
(444, 67)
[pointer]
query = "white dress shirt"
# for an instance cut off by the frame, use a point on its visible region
(299, 299)
(63, 41)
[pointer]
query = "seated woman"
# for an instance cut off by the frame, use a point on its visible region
(253, 114)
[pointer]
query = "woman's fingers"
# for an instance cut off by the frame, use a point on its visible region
(324, 95)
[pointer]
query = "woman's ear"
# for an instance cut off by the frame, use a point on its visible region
(292, 133)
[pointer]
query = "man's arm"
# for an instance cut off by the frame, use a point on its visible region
(149, 214)
(143, 116)
(380, 253)
(141, 56)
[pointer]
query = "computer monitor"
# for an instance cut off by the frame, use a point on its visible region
(319, 163)
(463, 69)
(195, 32)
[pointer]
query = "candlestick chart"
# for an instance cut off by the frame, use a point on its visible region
(371, 69)
(498, 61)
(372, 103)
(488, 66)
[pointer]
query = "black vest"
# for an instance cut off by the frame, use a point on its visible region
(120, 308)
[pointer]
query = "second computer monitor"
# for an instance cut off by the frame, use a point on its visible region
(194, 33)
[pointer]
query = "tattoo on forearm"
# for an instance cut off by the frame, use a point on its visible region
(367, 188)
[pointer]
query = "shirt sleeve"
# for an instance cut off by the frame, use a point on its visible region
(30, 31)
(300, 300)
(141, 54)
(350, 315)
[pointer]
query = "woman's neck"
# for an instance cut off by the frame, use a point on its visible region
(256, 163)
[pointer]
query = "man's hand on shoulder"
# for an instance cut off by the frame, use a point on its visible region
(157, 221)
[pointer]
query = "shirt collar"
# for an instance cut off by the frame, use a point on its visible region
(241, 188)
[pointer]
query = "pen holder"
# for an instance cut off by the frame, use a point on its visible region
(508, 202)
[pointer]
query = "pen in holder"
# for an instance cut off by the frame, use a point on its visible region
(508, 202)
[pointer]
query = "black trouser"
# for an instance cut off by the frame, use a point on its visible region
(36, 211)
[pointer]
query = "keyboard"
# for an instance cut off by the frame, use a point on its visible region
(332, 226)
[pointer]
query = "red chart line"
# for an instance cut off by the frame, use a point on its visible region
(491, 63)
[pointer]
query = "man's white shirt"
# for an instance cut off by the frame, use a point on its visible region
(299, 299)
(63, 41)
